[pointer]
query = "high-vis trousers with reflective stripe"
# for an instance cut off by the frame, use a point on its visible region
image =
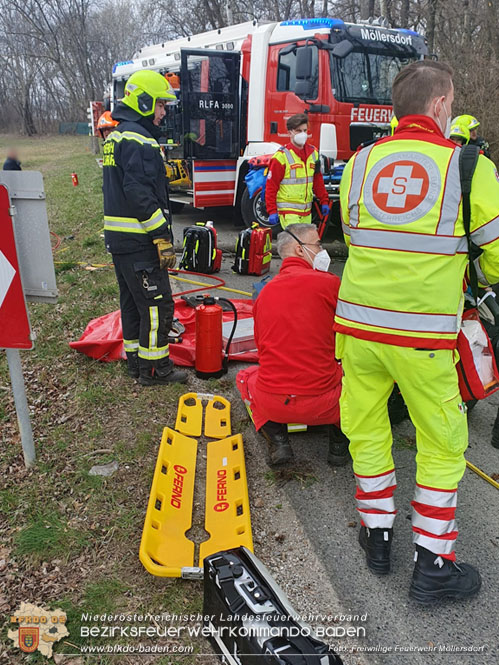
(428, 382)
(286, 219)
(146, 305)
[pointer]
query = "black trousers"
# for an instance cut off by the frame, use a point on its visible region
(146, 305)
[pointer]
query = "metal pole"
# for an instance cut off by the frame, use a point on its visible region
(23, 420)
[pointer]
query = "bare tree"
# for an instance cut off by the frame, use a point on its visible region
(56, 55)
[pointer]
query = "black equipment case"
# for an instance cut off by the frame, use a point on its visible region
(250, 619)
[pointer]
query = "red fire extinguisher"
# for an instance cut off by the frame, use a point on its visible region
(211, 360)
(74, 178)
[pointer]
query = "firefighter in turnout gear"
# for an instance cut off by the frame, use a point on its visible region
(398, 316)
(294, 177)
(473, 124)
(105, 125)
(137, 227)
(459, 133)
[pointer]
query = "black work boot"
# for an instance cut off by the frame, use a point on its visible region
(377, 544)
(132, 361)
(435, 578)
(280, 452)
(159, 374)
(338, 454)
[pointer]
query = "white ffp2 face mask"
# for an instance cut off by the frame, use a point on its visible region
(446, 129)
(300, 139)
(321, 260)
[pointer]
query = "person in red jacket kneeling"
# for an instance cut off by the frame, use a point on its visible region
(298, 379)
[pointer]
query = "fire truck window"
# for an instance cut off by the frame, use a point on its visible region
(211, 107)
(366, 77)
(119, 90)
(286, 72)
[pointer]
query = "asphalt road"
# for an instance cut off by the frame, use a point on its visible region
(409, 633)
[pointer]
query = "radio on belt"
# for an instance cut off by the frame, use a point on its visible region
(250, 619)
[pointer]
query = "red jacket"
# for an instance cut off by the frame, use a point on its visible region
(276, 174)
(294, 317)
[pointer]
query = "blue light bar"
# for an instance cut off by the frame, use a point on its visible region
(119, 64)
(409, 32)
(314, 23)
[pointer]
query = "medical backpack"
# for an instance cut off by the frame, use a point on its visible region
(250, 620)
(200, 253)
(253, 251)
(476, 369)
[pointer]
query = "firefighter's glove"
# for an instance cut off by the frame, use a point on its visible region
(325, 210)
(273, 219)
(166, 253)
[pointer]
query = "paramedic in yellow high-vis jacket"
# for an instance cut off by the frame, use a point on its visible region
(398, 316)
(294, 178)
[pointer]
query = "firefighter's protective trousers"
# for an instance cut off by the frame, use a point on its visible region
(428, 382)
(146, 305)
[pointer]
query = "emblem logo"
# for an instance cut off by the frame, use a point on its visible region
(29, 638)
(402, 187)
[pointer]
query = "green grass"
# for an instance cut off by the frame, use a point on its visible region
(48, 535)
(404, 442)
(304, 477)
(103, 595)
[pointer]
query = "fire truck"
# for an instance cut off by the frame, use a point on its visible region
(237, 86)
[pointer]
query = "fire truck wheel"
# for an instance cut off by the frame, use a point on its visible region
(254, 210)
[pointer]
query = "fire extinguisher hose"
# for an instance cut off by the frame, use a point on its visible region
(229, 340)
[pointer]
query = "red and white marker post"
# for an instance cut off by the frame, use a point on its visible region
(15, 331)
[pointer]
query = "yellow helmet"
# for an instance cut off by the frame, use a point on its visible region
(467, 120)
(393, 124)
(144, 88)
(458, 129)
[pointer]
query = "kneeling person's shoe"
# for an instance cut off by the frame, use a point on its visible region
(436, 578)
(276, 434)
(377, 544)
(338, 454)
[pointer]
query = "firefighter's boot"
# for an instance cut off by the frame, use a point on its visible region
(152, 373)
(338, 454)
(276, 434)
(132, 361)
(435, 578)
(377, 544)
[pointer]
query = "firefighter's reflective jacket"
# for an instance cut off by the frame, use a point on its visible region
(136, 205)
(402, 219)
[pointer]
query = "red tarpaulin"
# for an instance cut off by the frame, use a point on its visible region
(103, 338)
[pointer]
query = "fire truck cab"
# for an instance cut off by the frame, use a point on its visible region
(238, 85)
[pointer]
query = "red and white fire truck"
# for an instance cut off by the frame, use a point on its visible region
(238, 85)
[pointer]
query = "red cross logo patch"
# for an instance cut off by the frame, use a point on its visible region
(402, 187)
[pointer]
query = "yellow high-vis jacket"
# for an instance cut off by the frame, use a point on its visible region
(295, 194)
(402, 220)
